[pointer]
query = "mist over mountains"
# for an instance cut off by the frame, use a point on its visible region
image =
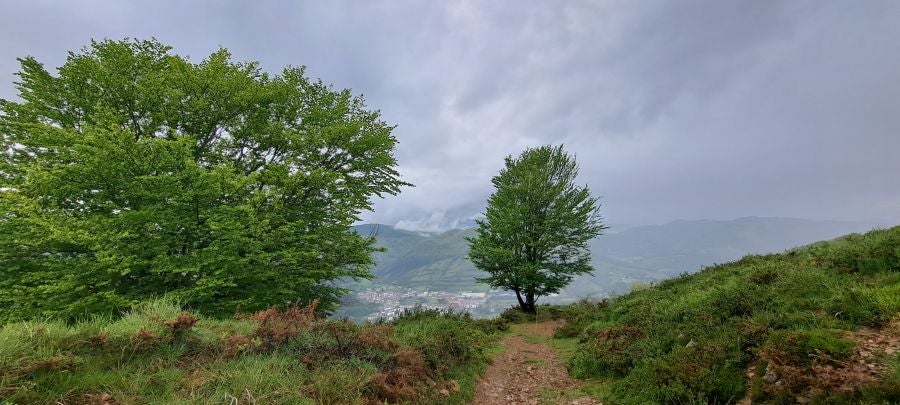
(436, 261)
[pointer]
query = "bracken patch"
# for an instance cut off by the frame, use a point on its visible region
(181, 324)
(277, 327)
(789, 377)
(143, 339)
(233, 345)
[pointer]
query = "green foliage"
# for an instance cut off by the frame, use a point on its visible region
(869, 254)
(692, 338)
(339, 383)
(534, 238)
(134, 172)
(240, 378)
(801, 344)
(269, 357)
(446, 339)
(516, 315)
(545, 312)
(437, 260)
(887, 390)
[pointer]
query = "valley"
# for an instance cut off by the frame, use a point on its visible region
(430, 269)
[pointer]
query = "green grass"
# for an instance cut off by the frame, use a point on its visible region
(534, 339)
(691, 339)
(685, 340)
(595, 387)
(139, 358)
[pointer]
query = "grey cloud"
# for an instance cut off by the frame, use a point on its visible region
(690, 109)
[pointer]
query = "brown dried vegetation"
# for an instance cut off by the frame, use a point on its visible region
(339, 362)
(144, 339)
(57, 362)
(620, 335)
(181, 324)
(791, 378)
(277, 327)
(404, 380)
(101, 399)
(233, 345)
(99, 340)
(376, 337)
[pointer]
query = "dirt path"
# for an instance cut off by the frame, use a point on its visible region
(528, 372)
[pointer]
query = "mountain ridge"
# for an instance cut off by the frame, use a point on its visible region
(437, 260)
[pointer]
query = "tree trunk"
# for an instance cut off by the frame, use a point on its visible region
(521, 301)
(529, 303)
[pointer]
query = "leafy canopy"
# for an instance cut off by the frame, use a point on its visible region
(534, 237)
(134, 172)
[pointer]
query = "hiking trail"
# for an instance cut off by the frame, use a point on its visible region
(529, 371)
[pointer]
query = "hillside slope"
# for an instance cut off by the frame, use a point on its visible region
(437, 261)
(161, 354)
(423, 260)
(818, 323)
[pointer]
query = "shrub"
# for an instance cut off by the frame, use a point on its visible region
(181, 324)
(876, 252)
(401, 383)
(866, 305)
(491, 326)
(764, 276)
(445, 339)
(800, 346)
(579, 314)
(516, 315)
(610, 351)
(277, 327)
(736, 300)
(701, 372)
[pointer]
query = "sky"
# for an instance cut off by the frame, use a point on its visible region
(687, 109)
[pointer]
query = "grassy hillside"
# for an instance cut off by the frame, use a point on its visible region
(426, 261)
(818, 323)
(161, 354)
(437, 261)
(815, 324)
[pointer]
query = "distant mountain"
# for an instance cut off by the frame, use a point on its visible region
(427, 261)
(437, 261)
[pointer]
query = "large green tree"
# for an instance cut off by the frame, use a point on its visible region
(134, 172)
(533, 239)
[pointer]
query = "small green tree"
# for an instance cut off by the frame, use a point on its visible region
(134, 172)
(538, 222)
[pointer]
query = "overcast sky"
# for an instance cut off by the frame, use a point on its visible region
(675, 109)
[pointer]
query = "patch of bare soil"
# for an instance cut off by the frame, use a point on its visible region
(826, 375)
(528, 372)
